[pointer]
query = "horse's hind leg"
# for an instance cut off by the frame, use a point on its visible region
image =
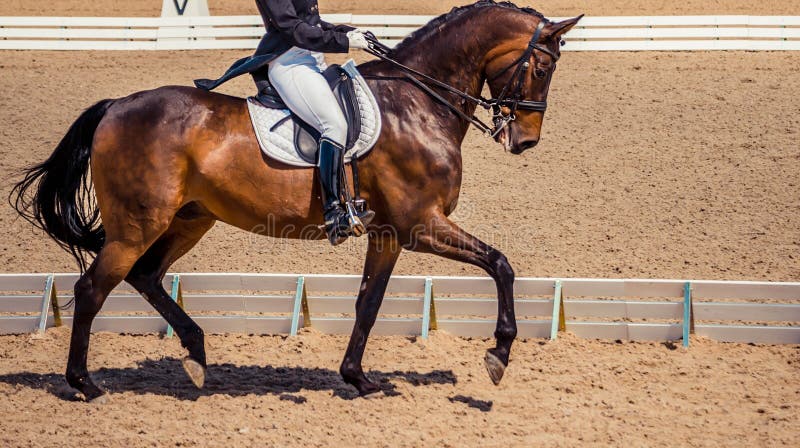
(108, 270)
(443, 237)
(147, 275)
(127, 239)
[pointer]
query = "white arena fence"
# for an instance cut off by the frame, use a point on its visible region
(632, 309)
(618, 33)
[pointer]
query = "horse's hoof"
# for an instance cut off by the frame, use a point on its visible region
(196, 372)
(495, 367)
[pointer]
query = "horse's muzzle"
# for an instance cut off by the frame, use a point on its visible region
(520, 147)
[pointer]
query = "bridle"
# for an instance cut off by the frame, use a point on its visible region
(510, 98)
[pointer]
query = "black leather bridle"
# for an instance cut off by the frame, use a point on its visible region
(510, 97)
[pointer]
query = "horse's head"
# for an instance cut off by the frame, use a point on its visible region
(519, 73)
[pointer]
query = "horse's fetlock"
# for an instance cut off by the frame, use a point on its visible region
(506, 333)
(193, 337)
(76, 380)
(349, 370)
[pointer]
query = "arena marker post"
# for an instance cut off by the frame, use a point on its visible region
(428, 309)
(176, 294)
(434, 321)
(49, 300)
(688, 317)
(558, 322)
(306, 312)
(300, 306)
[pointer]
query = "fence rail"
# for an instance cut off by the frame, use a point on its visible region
(613, 33)
(632, 309)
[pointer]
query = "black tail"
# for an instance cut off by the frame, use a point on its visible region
(56, 195)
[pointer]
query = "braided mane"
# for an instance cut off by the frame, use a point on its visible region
(433, 25)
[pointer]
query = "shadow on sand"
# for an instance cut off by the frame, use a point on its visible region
(166, 377)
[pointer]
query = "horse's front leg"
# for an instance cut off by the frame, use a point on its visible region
(442, 237)
(382, 253)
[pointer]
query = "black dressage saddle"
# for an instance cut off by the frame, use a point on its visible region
(306, 137)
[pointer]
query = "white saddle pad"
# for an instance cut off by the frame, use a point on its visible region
(278, 143)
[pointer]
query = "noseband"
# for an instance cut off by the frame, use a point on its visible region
(510, 97)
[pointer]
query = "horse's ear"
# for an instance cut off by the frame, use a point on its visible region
(557, 29)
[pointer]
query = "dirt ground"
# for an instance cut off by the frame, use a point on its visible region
(273, 391)
(656, 165)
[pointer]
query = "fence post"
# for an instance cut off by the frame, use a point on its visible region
(49, 300)
(428, 309)
(558, 322)
(300, 306)
(688, 317)
(177, 296)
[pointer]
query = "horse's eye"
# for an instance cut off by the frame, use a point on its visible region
(540, 73)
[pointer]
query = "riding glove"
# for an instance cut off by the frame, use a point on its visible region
(357, 39)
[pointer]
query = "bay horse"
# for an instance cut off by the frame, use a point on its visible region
(166, 164)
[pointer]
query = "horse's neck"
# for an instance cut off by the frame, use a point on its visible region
(458, 64)
(461, 68)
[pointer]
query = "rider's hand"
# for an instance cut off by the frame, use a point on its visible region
(357, 39)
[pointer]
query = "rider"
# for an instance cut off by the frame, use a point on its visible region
(289, 57)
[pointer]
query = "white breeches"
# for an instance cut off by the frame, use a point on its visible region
(297, 76)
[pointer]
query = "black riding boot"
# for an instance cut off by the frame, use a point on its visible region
(261, 79)
(331, 164)
(339, 224)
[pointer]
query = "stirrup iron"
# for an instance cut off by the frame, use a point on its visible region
(357, 228)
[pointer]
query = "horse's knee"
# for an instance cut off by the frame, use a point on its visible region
(500, 266)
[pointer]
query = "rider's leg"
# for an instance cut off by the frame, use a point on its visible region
(331, 161)
(261, 79)
(297, 76)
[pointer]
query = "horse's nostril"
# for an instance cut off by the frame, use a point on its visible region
(520, 147)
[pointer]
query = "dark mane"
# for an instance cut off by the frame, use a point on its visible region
(457, 12)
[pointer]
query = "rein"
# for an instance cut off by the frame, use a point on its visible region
(510, 97)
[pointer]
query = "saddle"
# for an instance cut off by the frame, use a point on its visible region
(285, 137)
